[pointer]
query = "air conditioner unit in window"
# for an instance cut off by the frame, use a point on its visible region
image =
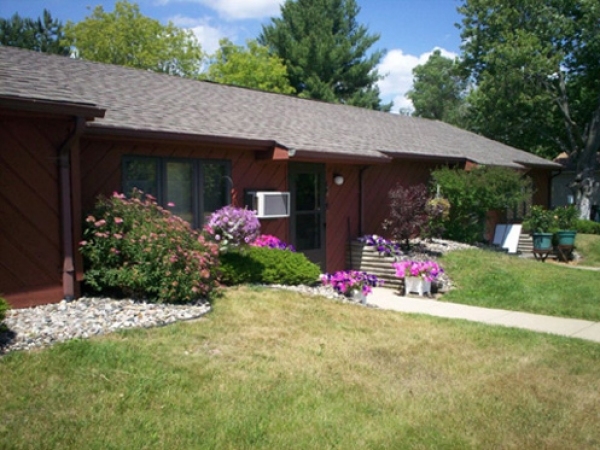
(269, 204)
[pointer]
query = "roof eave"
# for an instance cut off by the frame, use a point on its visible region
(55, 107)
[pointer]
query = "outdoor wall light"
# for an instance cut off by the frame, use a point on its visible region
(338, 179)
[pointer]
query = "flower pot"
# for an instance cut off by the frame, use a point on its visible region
(358, 296)
(542, 241)
(417, 285)
(566, 237)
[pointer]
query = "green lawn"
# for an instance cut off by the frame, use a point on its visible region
(588, 245)
(496, 280)
(276, 370)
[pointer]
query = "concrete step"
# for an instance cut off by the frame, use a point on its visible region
(367, 259)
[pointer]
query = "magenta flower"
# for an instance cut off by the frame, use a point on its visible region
(428, 270)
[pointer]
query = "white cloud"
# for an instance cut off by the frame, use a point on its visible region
(238, 9)
(397, 68)
(207, 35)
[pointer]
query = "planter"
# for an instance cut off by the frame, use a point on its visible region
(566, 237)
(542, 241)
(417, 285)
(357, 295)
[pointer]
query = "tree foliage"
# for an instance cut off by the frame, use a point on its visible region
(43, 34)
(537, 71)
(325, 51)
(128, 38)
(408, 212)
(473, 193)
(438, 90)
(251, 67)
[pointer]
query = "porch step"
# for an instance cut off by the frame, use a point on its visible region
(367, 259)
(525, 247)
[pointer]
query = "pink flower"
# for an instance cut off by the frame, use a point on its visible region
(100, 223)
(82, 243)
(118, 220)
(171, 205)
(90, 219)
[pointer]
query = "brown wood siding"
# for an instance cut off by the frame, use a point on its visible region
(30, 239)
(541, 183)
(101, 171)
(377, 182)
(342, 207)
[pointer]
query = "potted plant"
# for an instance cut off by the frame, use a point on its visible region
(541, 223)
(383, 246)
(566, 218)
(417, 275)
(352, 283)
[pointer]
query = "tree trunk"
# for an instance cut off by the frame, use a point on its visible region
(585, 185)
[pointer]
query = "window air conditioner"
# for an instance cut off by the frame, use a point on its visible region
(269, 204)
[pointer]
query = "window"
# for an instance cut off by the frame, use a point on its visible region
(196, 187)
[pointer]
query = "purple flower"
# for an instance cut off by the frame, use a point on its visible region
(346, 280)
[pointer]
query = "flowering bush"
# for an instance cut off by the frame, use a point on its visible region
(267, 240)
(384, 246)
(346, 280)
(428, 270)
(133, 247)
(231, 226)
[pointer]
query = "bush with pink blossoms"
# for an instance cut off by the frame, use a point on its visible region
(233, 227)
(428, 270)
(267, 240)
(134, 248)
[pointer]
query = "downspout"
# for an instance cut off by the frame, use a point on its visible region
(64, 164)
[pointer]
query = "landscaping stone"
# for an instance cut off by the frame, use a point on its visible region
(47, 324)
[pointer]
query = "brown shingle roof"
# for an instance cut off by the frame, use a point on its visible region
(147, 101)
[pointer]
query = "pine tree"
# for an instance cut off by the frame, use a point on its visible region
(325, 51)
(43, 34)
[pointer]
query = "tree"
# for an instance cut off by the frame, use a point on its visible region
(472, 194)
(325, 51)
(128, 38)
(251, 67)
(438, 90)
(43, 34)
(408, 212)
(537, 71)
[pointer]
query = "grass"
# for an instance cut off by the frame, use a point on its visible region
(496, 280)
(270, 369)
(588, 245)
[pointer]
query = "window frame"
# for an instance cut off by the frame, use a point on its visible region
(198, 166)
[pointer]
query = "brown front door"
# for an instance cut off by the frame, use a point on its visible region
(307, 187)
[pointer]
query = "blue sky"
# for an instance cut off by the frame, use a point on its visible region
(410, 29)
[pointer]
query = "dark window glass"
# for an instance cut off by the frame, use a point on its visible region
(215, 184)
(308, 231)
(307, 192)
(179, 189)
(141, 173)
(195, 187)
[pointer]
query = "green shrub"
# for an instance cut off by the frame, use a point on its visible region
(4, 306)
(587, 226)
(135, 248)
(267, 265)
(472, 194)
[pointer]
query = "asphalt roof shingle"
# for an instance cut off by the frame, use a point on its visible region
(149, 101)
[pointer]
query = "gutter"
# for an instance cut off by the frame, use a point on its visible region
(64, 167)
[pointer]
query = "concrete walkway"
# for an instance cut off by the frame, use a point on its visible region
(389, 299)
